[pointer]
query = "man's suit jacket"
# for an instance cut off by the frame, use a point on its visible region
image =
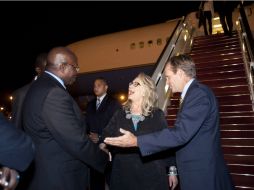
(63, 150)
(98, 119)
(18, 100)
(16, 148)
(196, 133)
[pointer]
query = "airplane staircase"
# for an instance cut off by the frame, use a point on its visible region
(220, 65)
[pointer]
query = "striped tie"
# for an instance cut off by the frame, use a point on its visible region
(98, 102)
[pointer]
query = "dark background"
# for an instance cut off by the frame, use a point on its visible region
(29, 28)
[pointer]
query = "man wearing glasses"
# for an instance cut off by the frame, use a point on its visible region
(54, 121)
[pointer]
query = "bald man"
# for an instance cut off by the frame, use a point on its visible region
(54, 121)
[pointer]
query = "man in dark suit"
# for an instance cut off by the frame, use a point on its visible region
(19, 94)
(16, 151)
(98, 113)
(225, 10)
(54, 121)
(196, 132)
(17, 116)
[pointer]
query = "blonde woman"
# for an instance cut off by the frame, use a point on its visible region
(131, 171)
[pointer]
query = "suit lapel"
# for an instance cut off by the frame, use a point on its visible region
(103, 103)
(194, 82)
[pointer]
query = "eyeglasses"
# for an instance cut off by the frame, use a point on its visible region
(75, 67)
(135, 84)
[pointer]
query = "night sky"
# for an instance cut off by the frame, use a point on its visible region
(29, 28)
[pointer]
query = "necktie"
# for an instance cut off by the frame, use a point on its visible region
(98, 102)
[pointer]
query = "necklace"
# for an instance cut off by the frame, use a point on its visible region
(136, 119)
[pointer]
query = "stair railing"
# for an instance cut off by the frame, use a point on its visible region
(181, 42)
(247, 49)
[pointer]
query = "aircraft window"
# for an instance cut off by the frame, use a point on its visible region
(150, 43)
(141, 44)
(159, 41)
(133, 45)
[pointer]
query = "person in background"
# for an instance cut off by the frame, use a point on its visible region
(196, 132)
(17, 113)
(140, 115)
(16, 153)
(19, 94)
(225, 9)
(53, 119)
(98, 113)
(207, 15)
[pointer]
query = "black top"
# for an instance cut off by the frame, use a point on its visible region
(130, 170)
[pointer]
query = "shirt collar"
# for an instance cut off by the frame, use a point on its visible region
(57, 78)
(102, 97)
(187, 85)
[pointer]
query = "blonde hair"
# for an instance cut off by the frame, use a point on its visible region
(150, 98)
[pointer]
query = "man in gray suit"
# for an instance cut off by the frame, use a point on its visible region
(54, 121)
(196, 132)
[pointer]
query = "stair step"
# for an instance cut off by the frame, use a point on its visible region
(214, 46)
(214, 41)
(235, 108)
(224, 133)
(237, 114)
(242, 188)
(223, 82)
(238, 142)
(218, 57)
(215, 63)
(246, 181)
(215, 36)
(193, 54)
(221, 40)
(210, 54)
(236, 119)
(221, 75)
(173, 112)
(235, 149)
(230, 89)
(236, 98)
(218, 68)
(237, 134)
(241, 169)
(239, 159)
(247, 126)
(171, 122)
(223, 108)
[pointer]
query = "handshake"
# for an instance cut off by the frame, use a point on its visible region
(103, 147)
(96, 139)
(9, 178)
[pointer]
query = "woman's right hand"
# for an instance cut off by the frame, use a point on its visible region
(103, 147)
